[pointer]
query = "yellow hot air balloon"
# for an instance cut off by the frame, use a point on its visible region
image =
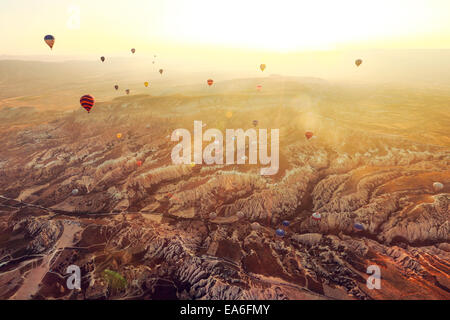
(119, 135)
(263, 67)
(146, 84)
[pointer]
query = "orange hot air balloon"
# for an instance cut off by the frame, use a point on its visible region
(119, 135)
(358, 62)
(210, 82)
(146, 84)
(309, 135)
(262, 67)
(49, 40)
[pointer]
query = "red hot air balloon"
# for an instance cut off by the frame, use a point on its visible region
(139, 163)
(259, 87)
(210, 82)
(309, 135)
(87, 102)
(316, 216)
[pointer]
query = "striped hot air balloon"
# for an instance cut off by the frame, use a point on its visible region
(316, 216)
(87, 102)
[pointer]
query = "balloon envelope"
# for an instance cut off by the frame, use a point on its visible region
(213, 215)
(75, 192)
(280, 232)
(316, 216)
(262, 67)
(358, 226)
(437, 186)
(127, 91)
(286, 223)
(358, 62)
(103, 59)
(146, 84)
(210, 82)
(309, 135)
(116, 87)
(133, 50)
(255, 226)
(255, 122)
(119, 135)
(161, 71)
(87, 102)
(139, 163)
(49, 40)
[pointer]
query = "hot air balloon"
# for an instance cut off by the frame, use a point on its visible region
(259, 87)
(49, 40)
(75, 192)
(316, 216)
(437, 186)
(309, 135)
(103, 59)
(286, 223)
(213, 215)
(161, 71)
(133, 51)
(255, 226)
(262, 67)
(116, 87)
(87, 102)
(146, 84)
(210, 82)
(127, 91)
(280, 232)
(139, 163)
(255, 122)
(358, 62)
(358, 226)
(119, 135)
(240, 215)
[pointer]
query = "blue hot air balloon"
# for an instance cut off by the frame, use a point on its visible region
(286, 223)
(280, 232)
(358, 227)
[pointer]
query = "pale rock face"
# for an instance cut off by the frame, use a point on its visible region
(179, 234)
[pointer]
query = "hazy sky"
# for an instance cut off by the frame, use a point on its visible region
(113, 27)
